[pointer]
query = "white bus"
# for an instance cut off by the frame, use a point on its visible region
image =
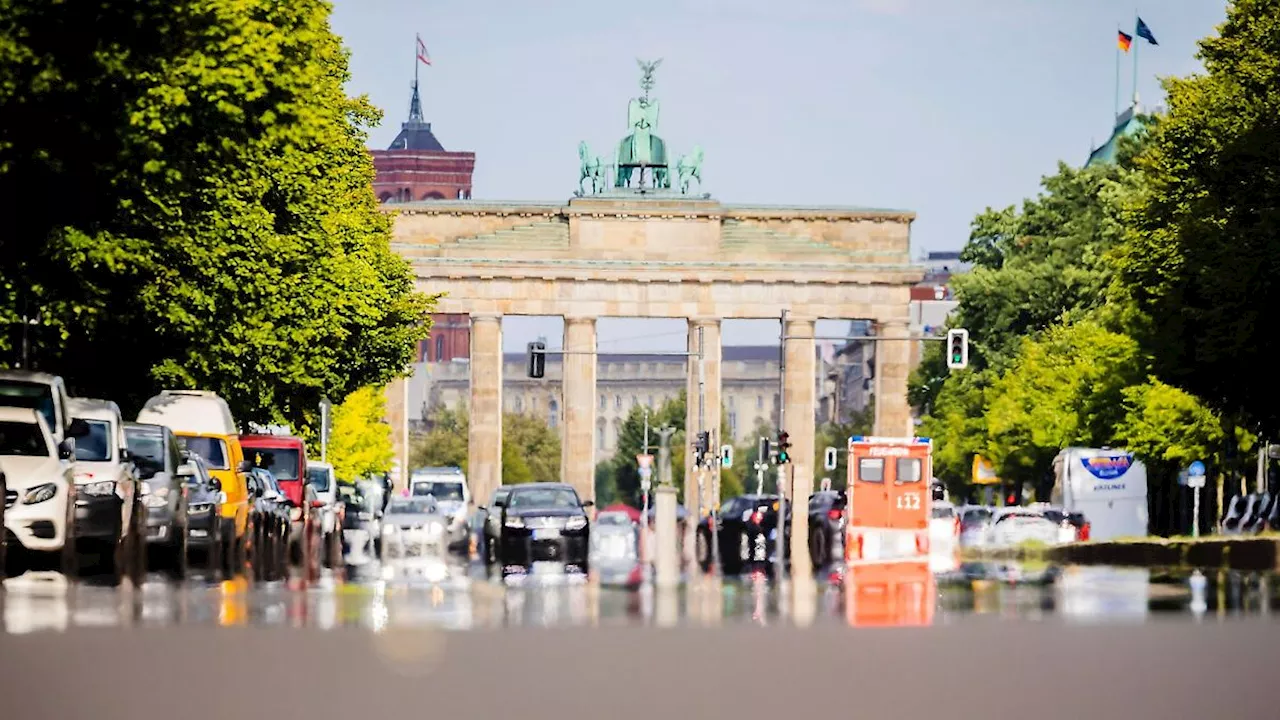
(1108, 486)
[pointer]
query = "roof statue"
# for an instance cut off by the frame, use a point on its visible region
(641, 152)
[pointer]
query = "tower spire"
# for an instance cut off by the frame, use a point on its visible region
(415, 102)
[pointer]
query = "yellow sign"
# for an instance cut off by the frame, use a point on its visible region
(983, 472)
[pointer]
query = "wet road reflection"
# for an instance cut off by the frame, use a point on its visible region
(454, 595)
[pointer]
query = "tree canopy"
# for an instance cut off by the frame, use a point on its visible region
(197, 206)
(360, 441)
(530, 449)
(1202, 255)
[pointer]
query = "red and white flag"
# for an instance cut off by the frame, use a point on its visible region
(422, 51)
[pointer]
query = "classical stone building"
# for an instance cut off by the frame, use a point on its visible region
(749, 389)
(644, 245)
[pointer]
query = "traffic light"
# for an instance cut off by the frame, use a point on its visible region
(957, 348)
(537, 364)
(700, 447)
(784, 448)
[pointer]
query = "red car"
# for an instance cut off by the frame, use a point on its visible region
(286, 457)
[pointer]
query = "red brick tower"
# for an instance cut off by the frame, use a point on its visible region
(416, 166)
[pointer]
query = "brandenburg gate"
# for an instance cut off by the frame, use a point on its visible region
(628, 244)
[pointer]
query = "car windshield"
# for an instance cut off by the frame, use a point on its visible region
(36, 396)
(19, 438)
(442, 490)
(1022, 516)
(212, 450)
(407, 506)
(544, 498)
(974, 517)
(318, 478)
(94, 443)
(942, 511)
(146, 446)
(613, 518)
(282, 462)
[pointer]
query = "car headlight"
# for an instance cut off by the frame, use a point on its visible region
(39, 494)
(145, 487)
(105, 487)
(576, 523)
(388, 529)
(155, 501)
(515, 522)
(200, 509)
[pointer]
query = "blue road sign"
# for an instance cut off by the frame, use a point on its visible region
(1196, 468)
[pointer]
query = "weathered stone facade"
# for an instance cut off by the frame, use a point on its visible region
(633, 255)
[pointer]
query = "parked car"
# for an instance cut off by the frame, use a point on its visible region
(543, 522)
(944, 526)
(109, 509)
(1016, 525)
(975, 525)
(38, 391)
(826, 526)
(39, 494)
(266, 538)
(615, 551)
(413, 527)
(204, 510)
(204, 425)
(321, 480)
(748, 533)
(285, 456)
(450, 488)
(491, 525)
(157, 456)
(360, 522)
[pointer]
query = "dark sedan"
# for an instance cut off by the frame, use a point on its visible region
(543, 522)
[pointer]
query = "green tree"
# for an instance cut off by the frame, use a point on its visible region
(197, 205)
(837, 435)
(360, 441)
(530, 449)
(1203, 251)
(445, 442)
(1065, 388)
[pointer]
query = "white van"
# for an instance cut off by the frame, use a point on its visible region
(38, 391)
(1108, 486)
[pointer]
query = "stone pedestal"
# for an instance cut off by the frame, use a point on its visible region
(893, 414)
(577, 442)
(484, 445)
(800, 390)
(666, 564)
(711, 412)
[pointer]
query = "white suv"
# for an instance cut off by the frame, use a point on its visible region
(323, 483)
(39, 517)
(109, 508)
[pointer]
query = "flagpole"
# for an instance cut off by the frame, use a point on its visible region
(1117, 113)
(1136, 44)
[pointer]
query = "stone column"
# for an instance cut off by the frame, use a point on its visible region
(711, 410)
(800, 391)
(484, 442)
(397, 412)
(578, 439)
(893, 415)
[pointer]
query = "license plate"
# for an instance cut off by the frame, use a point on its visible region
(200, 533)
(546, 534)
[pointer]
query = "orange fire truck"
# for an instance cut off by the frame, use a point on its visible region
(887, 578)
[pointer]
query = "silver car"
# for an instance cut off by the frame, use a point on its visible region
(975, 525)
(1017, 525)
(413, 527)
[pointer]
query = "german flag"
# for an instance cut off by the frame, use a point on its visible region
(1124, 41)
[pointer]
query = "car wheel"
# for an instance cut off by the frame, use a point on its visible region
(818, 550)
(181, 561)
(702, 549)
(68, 560)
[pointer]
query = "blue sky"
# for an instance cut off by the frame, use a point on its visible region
(943, 107)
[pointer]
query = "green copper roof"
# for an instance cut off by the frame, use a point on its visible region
(1127, 124)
